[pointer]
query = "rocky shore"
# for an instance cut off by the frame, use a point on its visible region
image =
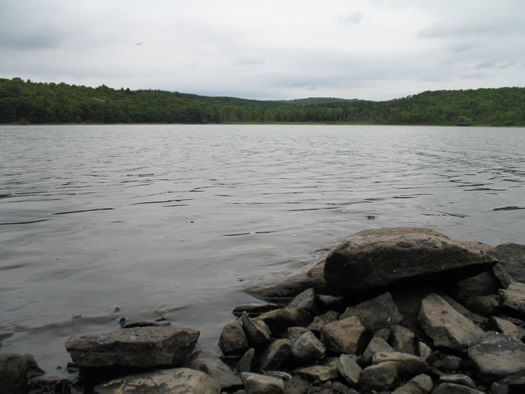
(402, 310)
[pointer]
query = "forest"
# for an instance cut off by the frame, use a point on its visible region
(27, 102)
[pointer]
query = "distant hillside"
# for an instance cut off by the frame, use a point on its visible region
(27, 102)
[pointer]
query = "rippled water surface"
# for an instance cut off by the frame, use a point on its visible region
(101, 222)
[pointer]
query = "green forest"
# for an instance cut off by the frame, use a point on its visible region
(26, 102)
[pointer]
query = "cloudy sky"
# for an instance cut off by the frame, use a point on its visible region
(267, 49)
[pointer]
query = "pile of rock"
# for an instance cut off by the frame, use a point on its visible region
(403, 310)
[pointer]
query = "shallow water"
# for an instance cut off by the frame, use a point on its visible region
(100, 222)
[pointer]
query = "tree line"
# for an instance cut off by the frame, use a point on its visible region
(26, 102)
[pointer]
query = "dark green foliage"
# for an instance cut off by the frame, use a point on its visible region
(37, 103)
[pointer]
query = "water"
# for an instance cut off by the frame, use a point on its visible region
(100, 222)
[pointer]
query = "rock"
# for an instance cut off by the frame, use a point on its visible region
(375, 345)
(233, 339)
(319, 321)
(479, 285)
(275, 355)
(376, 258)
(349, 369)
(453, 388)
(320, 372)
(423, 381)
(257, 331)
(408, 364)
(383, 333)
(506, 327)
(177, 380)
(513, 301)
(330, 302)
(307, 349)
(423, 350)
(478, 319)
(419, 384)
(497, 355)
(461, 379)
(254, 310)
(305, 300)
(485, 305)
(510, 384)
(255, 383)
(142, 347)
(402, 339)
(292, 333)
(280, 319)
(511, 263)
(448, 363)
(212, 365)
(246, 361)
(49, 384)
(446, 326)
(343, 336)
(13, 373)
(377, 313)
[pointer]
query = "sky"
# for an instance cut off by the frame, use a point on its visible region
(267, 49)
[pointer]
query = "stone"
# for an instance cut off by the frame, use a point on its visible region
(402, 339)
(177, 380)
(461, 379)
(485, 305)
(379, 377)
(423, 381)
(511, 263)
(275, 355)
(408, 364)
(330, 302)
(143, 347)
(255, 383)
(409, 388)
(447, 327)
(212, 365)
(375, 345)
(233, 339)
(448, 363)
(504, 326)
(349, 369)
(513, 299)
(376, 258)
(320, 372)
(13, 373)
(319, 321)
(49, 384)
(254, 310)
(257, 331)
(478, 319)
(497, 355)
(305, 300)
(343, 336)
(377, 313)
(292, 333)
(280, 319)
(453, 388)
(478, 285)
(246, 361)
(512, 384)
(307, 349)
(423, 350)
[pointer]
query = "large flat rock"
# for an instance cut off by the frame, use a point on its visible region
(374, 259)
(142, 347)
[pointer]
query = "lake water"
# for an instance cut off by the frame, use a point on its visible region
(100, 222)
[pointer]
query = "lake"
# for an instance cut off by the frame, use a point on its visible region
(143, 221)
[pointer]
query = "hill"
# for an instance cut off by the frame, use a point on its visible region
(27, 102)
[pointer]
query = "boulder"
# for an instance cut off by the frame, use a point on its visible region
(349, 369)
(504, 326)
(292, 333)
(419, 384)
(307, 349)
(464, 380)
(511, 263)
(343, 336)
(448, 363)
(376, 258)
(322, 372)
(305, 300)
(13, 373)
(246, 361)
(402, 339)
(485, 305)
(257, 331)
(496, 355)
(377, 313)
(478, 285)
(513, 299)
(177, 380)
(233, 339)
(447, 327)
(376, 345)
(280, 319)
(408, 364)
(423, 350)
(142, 347)
(319, 321)
(255, 383)
(275, 355)
(212, 365)
(254, 310)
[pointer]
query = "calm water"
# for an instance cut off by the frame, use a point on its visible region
(175, 220)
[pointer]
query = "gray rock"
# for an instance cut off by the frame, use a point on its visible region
(257, 331)
(255, 383)
(423, 350)
(448, 363)
(497, 355)
(330, 302)
(409, 388)
(464, 380)
(212, 365)
(49, 384)
(478, 285)
(254, 310)
(383, 333)
(478, 319)
(375, 345)
(504, 326)
(408, 364)
(327, 370)
(453, 388)
(343, 336)
(177, 380)
(13, 373)
(485, 305)
(510, 384)
(511, 263)
(292, 333)
(319, 321)
(349, 369)
(307, 349)
(514, 299)
(280, 319)
(423, 381)
(233, 339)
(142, 347)
(305, 300)
(376, 258)
(246, 361)
(402, 339)
(446, 326)
(275, 355)
(377, 313)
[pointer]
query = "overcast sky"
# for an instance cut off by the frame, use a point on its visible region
(266, 49)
